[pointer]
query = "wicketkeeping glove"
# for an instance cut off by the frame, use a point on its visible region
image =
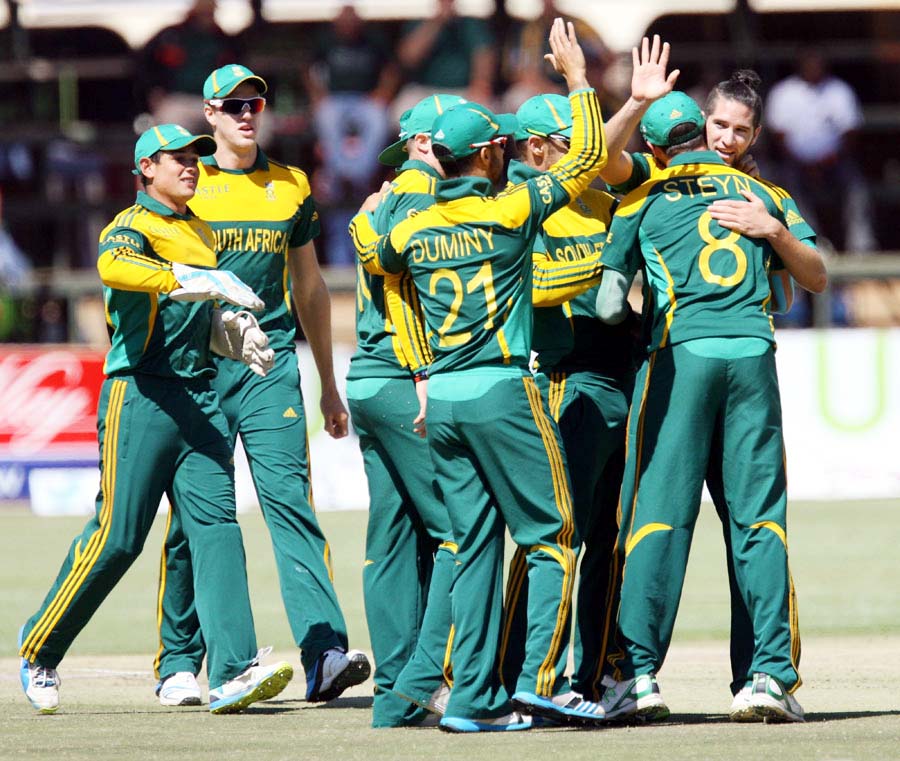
(237, 335)
(202, 285)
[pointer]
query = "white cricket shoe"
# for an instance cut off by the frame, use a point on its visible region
(41, 684)
(637, 698)
(253, 684)
(436, 703)
(772, 702)
(333, 672)
(741, 709)
(566, 708)
(179, 689)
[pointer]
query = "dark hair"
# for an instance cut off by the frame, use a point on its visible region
(154, 159)
(692, 144)
(742, 86)
(454, 167)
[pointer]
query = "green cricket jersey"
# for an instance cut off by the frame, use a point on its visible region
(570, 337)
(149, 332)
(258, 214)
(470, 253)
(704, 281)
(644, 167)
(379, 352)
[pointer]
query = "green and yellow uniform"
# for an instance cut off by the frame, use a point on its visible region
(497, 453)
(586, 369)
(706, 401)
(644, 168)
(409, 549)
(161, 432)
(257, 216)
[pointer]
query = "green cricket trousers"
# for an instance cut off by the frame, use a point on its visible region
(409, 550)
(693, 415)
(269, 416)
(499, 463)
(591, 410)
(157, 436)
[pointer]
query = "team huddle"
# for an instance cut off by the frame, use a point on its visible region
(502, 382)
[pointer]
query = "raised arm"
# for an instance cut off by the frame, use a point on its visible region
(587, 149)
(649, 82)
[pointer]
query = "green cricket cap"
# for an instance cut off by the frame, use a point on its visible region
(544, 115)
(222, 81)
(667, 113)
(169, 137)
(464, 128)
(416, 121)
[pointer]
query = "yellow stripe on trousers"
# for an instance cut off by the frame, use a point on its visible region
(547, 672)
(609, 617)
(557, 392)
(162, 592)
(448, 663)
(83, 565)
(517, 573)
(639, 444)
(615, 657)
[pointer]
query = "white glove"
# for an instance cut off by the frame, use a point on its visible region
(202, 285)
(237, 335)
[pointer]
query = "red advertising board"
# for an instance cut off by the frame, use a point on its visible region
(48, 402)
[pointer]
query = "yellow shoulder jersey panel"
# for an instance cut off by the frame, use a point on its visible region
(414, 182)
(273, 194)
(588, 214)
(706, 179)
(188, 241)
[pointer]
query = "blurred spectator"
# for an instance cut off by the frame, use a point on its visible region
(814, 118)
(15, 266)
(175, 63)
(350, 83)
(447, 53)
(525, 68)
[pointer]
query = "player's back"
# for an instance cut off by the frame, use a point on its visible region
(471, 255)
(706, 281)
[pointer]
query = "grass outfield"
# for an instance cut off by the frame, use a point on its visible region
(843, 559)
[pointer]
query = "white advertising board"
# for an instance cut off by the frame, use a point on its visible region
(840, 398)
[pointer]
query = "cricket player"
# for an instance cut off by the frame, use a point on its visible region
(733, 124)
(264, 220)
(409, 542)
(161, 430)
(705, 400)
(496, 451)
(586, 368)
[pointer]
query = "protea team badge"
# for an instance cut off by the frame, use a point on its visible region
(270, 191)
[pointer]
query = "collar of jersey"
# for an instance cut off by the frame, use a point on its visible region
(262, 162)
(519, 171)
(157, 207)
(461, 187)
(421, 166)
(697, 157)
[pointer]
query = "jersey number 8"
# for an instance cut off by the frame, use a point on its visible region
(728, 243)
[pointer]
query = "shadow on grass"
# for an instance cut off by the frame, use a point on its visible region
(356, 702)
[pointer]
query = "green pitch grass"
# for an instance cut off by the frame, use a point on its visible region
(843, 559)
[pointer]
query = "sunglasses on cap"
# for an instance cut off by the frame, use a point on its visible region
(498, 140)
(235, 106)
